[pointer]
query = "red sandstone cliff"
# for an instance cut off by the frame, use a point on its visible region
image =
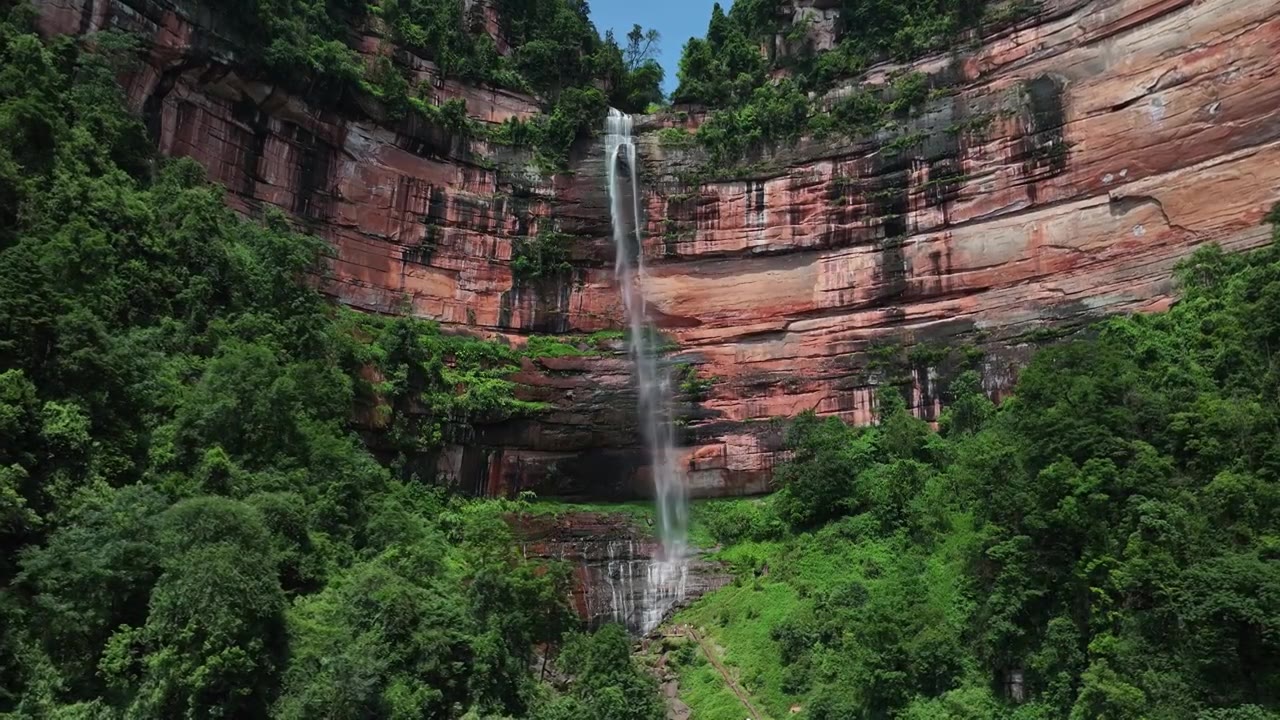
(1070, 163)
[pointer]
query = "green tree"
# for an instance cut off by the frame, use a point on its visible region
(93, 574)
(607, 683)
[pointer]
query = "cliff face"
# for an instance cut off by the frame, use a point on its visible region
(1072, 161)
(1061, 169)
(616, 567)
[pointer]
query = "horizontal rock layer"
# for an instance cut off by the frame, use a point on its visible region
(618, 574)
(1067, 164)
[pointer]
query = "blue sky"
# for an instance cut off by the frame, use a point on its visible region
(677, 20)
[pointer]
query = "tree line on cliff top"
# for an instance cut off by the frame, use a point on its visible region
(1103, 545)
(555, 53)
(192, 523)
(764, 85)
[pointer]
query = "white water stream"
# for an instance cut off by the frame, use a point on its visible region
(667, 574)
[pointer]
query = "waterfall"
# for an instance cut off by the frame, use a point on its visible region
(668, 573)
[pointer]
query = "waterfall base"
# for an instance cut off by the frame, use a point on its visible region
(619, 572)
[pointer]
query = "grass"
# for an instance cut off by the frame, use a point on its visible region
(597, 343)
(605, 339)
(540, 346)
(739, 618)
(701, 687)
(699, 512)
(641, 512)
(775, 581)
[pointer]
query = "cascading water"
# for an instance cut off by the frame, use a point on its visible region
(668, 573)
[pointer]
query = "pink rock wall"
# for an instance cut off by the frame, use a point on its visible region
(1120, 136)
(1071, 161)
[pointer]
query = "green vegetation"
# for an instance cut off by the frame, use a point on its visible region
(596, 344)
(640, 512)
(605, 339)
(543, 346)
(578, 74)
(772, 113)
(676, 138)
(193, 525)
(558, 56)
(725, 67)
(544, 256)
(302, 42)
(1102, 545)
(701, 685)
(609, 684)
(753, 110)
(692, 385)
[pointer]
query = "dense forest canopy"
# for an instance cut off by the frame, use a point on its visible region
(764, 84)
(554, 45)
(753, 37)
(192, 524)
(555, 53)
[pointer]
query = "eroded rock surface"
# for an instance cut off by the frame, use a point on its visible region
(613, 561)
(1070, 161)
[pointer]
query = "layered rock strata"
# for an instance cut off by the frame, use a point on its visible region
(1063, 167)
(613, 560)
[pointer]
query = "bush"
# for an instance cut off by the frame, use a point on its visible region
(775, 113)
(820, 483)
(542, 257)
(735, 521)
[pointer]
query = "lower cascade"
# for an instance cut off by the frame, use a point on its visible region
(666, 575)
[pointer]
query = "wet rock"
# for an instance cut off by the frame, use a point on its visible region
(617, 567)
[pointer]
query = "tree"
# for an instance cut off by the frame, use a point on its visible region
(92, 575)
(969, 407)
(821, 481)
(213, 643)
(642, 47)
(607, 684)
(389, 638)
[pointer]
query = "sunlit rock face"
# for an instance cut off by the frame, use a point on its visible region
(619, 575)
(1070, 162)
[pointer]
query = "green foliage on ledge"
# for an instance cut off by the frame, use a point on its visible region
(558, 57)
(544, 256)
(692, 385)
(676, 138)
(774, 113)
(456, 41)
(760, 101)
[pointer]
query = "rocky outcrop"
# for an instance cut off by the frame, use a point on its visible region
(616, 567)
(1063, 167)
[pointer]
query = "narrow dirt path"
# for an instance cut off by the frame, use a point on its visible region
(714, 659)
